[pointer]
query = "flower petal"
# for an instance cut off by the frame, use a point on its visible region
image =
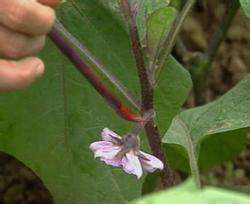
(149, 162)
(107, 152)
(113, 162)
(100, 144)
(132, 165)
(110, 136)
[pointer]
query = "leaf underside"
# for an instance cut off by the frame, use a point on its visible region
(214, 132)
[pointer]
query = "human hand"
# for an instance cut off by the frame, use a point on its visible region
(23, 26)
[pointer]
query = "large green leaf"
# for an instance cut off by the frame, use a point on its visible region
(50, 126)
(171, 92)
(188, 193)
(245, 4)
(214, 131)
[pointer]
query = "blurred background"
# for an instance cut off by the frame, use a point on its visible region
(20, 185)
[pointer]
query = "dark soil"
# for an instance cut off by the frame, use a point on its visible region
(18, 185)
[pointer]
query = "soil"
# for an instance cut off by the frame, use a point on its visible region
(19, 185)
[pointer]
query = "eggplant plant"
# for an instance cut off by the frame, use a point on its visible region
(114, 129)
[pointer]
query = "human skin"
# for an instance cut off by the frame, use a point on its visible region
(23, 27)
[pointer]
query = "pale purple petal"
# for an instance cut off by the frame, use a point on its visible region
(100, 144)
(107, 152)
(110, 136)
(149, 162)
(113, 162)
(132, 165)
(147, 168)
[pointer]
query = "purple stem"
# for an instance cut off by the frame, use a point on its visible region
(147, 94)
(93, 79)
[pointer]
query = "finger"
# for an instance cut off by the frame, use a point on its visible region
(18, 75)
(16, 45)
(51, 3)
(26, 16)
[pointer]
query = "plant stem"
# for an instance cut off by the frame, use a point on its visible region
(181, 50)
(170, 39)
(192, 154)
(93, 79)
(193, 163)
(222, 30)
(98, 65)
(152, 132)
(167, 175)
(200, 70)
(146, 89)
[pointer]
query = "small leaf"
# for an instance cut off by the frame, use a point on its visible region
(188, 193)
(216, 130)
(144, 9)
(158, 25)
(245, 4)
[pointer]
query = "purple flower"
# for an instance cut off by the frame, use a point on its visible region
(124, 153)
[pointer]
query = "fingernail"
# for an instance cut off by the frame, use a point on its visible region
(39, 69)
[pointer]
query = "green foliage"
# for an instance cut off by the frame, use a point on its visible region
(150, 183)
(158, 25)
(245, 4)
(178, 4)
(214, 131)
(189, 193)
(50, 126)
(144, 9)
(174, 79)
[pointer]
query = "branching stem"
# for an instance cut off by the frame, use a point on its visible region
(152, 132)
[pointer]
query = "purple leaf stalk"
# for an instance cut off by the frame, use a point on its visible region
(114, 102)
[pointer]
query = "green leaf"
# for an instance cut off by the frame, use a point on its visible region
(238, 188)
(158, 25)
(233, 143)
(215, 132)
(245, 4)
(150, 183)
(188, 193)
(178, 4)
(174, 79)
(50, 126)
(144, 9)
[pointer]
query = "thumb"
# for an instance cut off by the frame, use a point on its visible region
(15, 75)
(51, 3)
